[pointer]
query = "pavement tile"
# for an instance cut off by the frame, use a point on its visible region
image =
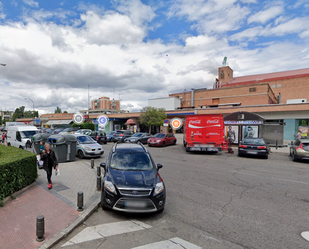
(18, 218)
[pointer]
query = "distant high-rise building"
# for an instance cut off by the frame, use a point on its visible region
(105, 103)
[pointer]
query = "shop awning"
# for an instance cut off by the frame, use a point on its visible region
(130, 122)
(59, 122)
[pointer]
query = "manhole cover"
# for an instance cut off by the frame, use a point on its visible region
(60, 187)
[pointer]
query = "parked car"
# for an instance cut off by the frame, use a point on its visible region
(131, 181)
(138, 137)
(162, 139)
(109, 135)
(70, 130)
(57, 131)
(299, 150)
(121, 135)
(99, 136)
(87, 147)
(253, 146)
(48, 130)
(84, 131)
(40, 129)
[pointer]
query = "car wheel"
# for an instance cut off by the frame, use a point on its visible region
(240, 155)
(266, 157)
(80, 154)
(20, 147)
(103, 203)
(9, 144)
(163, 144)
(175, 142)
(290, 152)
(294, 157)
(105, 142)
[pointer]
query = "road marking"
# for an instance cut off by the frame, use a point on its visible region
(305, 235)
(174, 243)
(106, 230)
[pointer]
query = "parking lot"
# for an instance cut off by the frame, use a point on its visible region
(216, 201)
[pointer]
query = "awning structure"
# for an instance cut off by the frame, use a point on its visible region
(130, 122)
(59, 122)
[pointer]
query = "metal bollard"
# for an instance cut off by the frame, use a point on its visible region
(92, 163)
(276, 144)
(40, 228)
(98, 171)
(99, 182)
(80, 201)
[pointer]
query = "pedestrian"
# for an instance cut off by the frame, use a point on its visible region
(49, 162)
(3, 137)
(42, 147)
(298, 135)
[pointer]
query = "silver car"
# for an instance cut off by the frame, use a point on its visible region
(299, 150)
(87, 147)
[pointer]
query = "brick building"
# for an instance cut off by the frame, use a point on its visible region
(105, 103)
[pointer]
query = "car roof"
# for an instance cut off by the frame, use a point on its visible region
(129, 147)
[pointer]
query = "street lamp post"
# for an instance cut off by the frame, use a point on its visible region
(33, 107)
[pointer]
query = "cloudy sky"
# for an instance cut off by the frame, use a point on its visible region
(140, 49)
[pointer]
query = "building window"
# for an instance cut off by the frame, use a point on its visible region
(278, 85)
(273, 86)
(222, 74)
(252, 89)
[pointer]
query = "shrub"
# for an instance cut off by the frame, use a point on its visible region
(18, 169)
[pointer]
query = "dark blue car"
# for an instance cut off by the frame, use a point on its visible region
(131, 181)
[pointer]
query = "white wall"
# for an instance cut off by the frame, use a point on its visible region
(169, 103)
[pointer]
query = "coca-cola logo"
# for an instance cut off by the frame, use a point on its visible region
(195, 122)
(213, 121)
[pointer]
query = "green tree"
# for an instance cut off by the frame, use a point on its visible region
(152, 116)
(65, 112)
(58, 110)
(31, 114)
(86, 125)
(19, 113)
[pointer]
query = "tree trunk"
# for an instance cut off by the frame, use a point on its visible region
(149, 129)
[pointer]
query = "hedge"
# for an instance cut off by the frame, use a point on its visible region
(18, 169)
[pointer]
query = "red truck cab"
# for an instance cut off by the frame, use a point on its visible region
(204, 133)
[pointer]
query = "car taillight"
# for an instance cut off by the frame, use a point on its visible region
(299, 147)
(242, 146)
(121, 135)
(262, 147)
(97, 137)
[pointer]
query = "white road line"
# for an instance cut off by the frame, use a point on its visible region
(174, 243)
(106, 230)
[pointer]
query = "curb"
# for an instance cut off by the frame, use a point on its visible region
(18, 193)
(78, 221)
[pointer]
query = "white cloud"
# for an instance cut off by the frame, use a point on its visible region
(264, 16)
(31, 3)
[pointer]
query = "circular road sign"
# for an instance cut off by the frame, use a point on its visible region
(176, 123)
(103, 120)
(78, 118)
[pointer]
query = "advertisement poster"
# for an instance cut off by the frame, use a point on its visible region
(303, 131)
(250, 131)
(231, 134)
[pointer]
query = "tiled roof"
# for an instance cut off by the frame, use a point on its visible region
(270, 76)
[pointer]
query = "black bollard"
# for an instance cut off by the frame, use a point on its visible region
(40, 228)
(276, 144)
(80, 201)
(99, 182)
(98, 171)
(92, 163)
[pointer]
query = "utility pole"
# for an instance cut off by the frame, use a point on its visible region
(88, 102)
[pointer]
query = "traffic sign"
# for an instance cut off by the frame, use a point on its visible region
(176, 123)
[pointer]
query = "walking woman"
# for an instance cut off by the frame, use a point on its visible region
(50, 161)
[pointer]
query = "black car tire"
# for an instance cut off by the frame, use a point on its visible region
(163, 144)
(105, 142)
(266, 157)
(104, 205)
(240, 155)
(175, 142)
(294, 158)
(291, 152)
(80, 154)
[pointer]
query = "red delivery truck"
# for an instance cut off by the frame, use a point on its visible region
(204, 133)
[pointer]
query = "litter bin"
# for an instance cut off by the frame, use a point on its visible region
(37, 138)
(64, 147)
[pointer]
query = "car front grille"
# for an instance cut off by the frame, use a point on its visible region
(135, 192)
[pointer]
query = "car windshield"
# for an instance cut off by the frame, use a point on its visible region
(306, 146)
(131, 161)
(27, 134)
(111, 132)
(137, 135)
(85, 140)
(160, 135)
(67, 129)
(257, 141)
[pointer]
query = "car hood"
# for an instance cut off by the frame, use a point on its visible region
(155, 138)
(133, 179)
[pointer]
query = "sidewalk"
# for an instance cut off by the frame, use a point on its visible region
(58, 205)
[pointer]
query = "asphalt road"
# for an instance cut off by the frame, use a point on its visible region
(219, 201)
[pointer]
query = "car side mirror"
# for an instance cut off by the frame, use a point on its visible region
(159, 166)
(103, 165)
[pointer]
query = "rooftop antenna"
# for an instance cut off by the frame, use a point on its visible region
(224, 61)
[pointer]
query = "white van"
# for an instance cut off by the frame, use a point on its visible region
(18, 135)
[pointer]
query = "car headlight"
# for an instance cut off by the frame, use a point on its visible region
(159, 188)
(87, 149)
(158, 141)
(110, 187)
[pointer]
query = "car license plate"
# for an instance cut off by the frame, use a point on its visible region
(212, 149)
(252, 152)
(135, 204)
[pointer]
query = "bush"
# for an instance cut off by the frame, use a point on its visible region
(18, 169)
